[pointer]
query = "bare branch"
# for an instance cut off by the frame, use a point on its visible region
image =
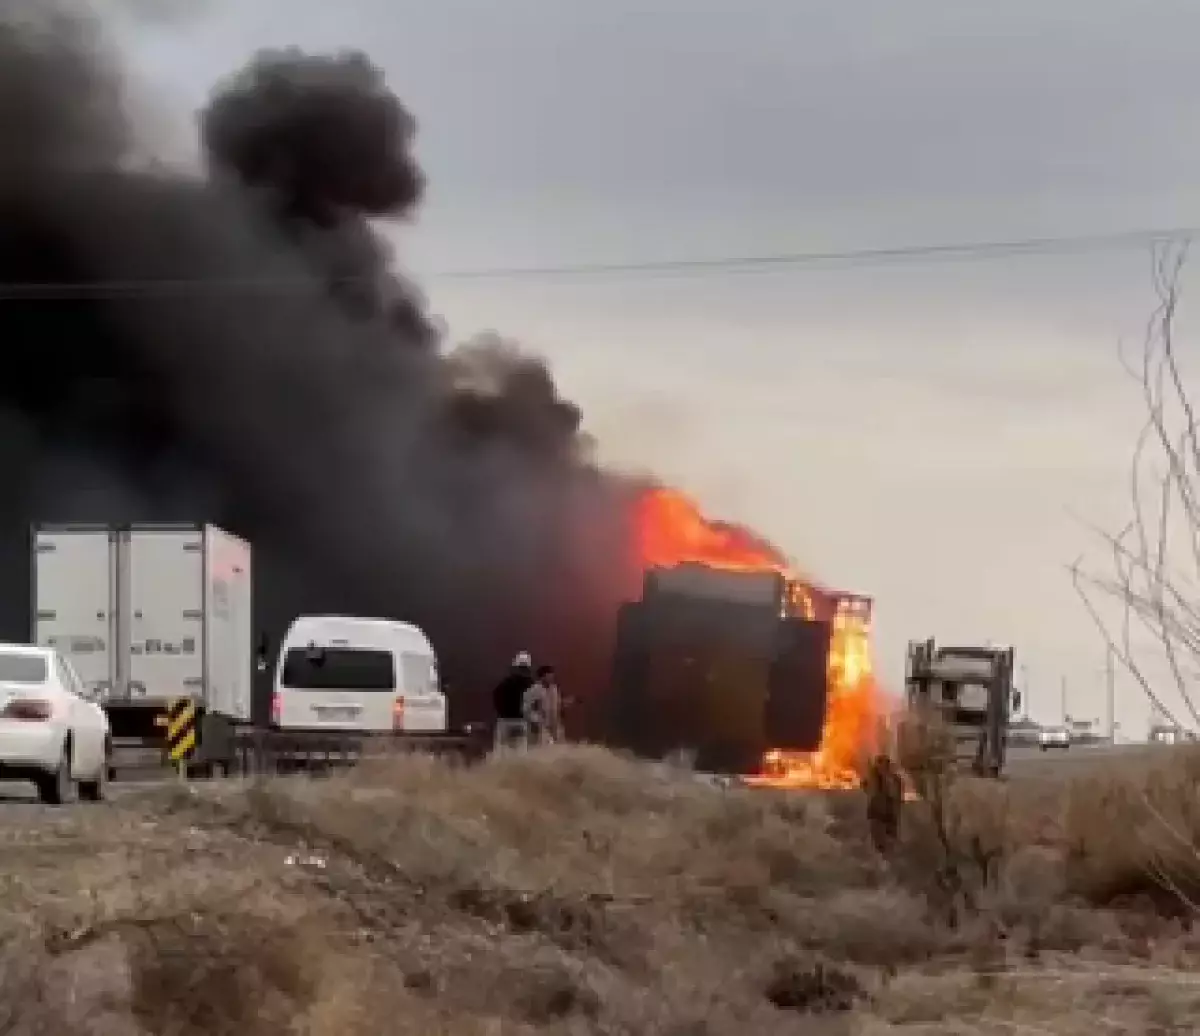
(1155, 597)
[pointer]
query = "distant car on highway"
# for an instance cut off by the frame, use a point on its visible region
(1170, 734)
(1054, 737)
(52, 732)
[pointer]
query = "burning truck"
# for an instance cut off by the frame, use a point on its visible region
(731, 666)
(730, 657)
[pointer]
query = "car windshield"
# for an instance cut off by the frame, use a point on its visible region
(30, 669)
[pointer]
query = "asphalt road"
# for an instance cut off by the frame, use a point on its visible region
(1031, 761)
(17, 793)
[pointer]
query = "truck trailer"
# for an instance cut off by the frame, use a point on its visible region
(150, 614)
(716, 664)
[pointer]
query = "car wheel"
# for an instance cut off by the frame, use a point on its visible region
(57, 787)
(95, 791)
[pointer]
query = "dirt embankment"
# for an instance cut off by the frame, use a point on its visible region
(574, 892)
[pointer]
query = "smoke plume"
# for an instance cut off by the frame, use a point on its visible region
(237, 347)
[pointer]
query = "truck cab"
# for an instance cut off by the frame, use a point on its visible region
(970, 690)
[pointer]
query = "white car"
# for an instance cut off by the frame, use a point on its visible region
(52, 733)
(1054, 737)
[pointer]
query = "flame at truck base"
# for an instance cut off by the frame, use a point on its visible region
(852, 720)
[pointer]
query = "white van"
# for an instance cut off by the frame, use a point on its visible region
(346, 673)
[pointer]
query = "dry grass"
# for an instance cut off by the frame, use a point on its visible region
(570, 891)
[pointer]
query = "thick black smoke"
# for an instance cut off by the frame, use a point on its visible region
(237, 347)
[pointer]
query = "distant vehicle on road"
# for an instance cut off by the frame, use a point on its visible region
(1170, 734)
(1054, 737)
(52, 732)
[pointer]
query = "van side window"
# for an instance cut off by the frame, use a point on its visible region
(419, 675)
(331, 669)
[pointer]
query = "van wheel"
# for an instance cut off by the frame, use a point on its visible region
(56, 788)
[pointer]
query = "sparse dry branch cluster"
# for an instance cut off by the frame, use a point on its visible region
(571, 891)
(1145, 604)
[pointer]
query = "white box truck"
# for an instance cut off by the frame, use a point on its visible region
(148, 614)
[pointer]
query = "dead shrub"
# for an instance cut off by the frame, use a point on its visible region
(884, 927)
(957, 829)
(812, 986)
(1138, 834)
(549, 994)
(212, 975)
(534, 895)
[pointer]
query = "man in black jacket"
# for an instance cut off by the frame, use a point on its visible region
(508, 699)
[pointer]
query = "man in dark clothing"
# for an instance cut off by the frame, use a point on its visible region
(885, 800)
(508, 699)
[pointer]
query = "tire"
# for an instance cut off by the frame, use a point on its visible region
(57, 788)
(97, 790)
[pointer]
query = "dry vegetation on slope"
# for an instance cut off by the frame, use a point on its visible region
(573, 892)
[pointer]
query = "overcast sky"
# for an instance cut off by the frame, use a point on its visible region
(922, 433)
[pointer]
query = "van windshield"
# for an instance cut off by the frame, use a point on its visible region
(348, 669)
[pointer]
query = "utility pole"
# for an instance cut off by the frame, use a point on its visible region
(1110, 693)
(1065, 717)
(1024, 691)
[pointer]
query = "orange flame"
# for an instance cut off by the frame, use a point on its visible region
(851, 722)
(673, 531)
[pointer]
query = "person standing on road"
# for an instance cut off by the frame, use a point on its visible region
(508, 700)
(543, 708)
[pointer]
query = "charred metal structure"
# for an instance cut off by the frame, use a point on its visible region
(970, 689)
(722, 665)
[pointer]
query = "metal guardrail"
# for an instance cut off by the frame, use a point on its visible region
(263, 751)
(273, 751)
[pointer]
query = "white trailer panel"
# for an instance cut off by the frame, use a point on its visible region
(162, 584)
(228, 644)
(74, 606)
(156, 612)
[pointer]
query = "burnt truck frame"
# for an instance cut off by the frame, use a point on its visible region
(721, 666)
(970, 689)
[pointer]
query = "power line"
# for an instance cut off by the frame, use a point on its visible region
(151, 288)
(1067, 245)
